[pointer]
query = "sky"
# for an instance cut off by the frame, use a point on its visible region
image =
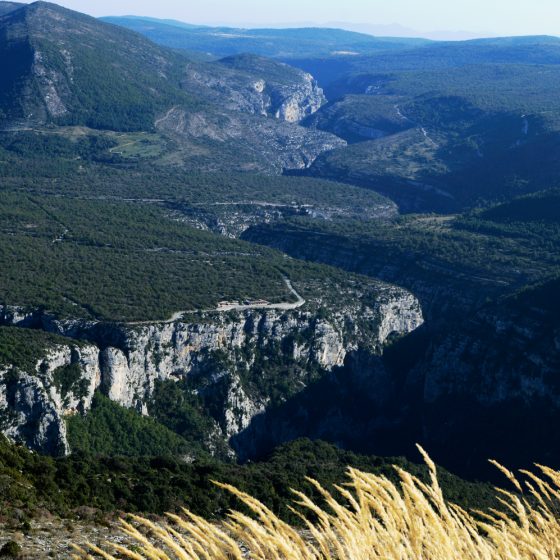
(480, 17)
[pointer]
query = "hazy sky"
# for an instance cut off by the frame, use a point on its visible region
(503, 17)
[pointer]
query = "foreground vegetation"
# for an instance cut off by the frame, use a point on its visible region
(31, 484)
(375, 518)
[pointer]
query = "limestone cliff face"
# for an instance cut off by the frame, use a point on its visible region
(134, 358)
(295, 104)
(252, 108)
(34, 404)
(234, 350)
(256, 85)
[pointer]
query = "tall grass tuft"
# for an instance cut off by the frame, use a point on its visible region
(372, 518)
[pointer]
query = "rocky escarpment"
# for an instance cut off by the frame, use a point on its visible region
(485, 387)
(252, 109)
(259, 143)
(489, 387)
(34, 404)
(234, 360)
(256, 85)
(235, 218)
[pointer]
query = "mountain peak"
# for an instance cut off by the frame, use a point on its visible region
(38, 7)
(7, 7)
(61, 66)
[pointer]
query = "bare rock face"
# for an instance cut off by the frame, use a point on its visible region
(240, 410)
(50, 83)
(258, 86)
(397, 317)
(34, 404)
(256, 106)
(302, 101)
(172, 351)
(488, 385)
(127, 361)
(29, 416)
(119, 382)
(260, 144)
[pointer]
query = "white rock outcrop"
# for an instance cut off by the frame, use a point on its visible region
(34, 404)
(127, 361)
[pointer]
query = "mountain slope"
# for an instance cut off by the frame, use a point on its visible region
(445, 139)
(6, 7)
(64, 67)
(256, 85)
(59, 67)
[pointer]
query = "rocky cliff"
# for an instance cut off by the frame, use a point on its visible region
(237, 219)
(242, 353)
(256, 85)
(487, 386)
(493, 379)
(34, 404)
(247, 142)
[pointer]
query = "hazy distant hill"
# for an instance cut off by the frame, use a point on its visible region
(6, 7)
(436, 56)
(155, 21)
(277, 43)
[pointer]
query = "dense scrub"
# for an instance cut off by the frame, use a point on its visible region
(109, 429)
(370, 517)
(24, 348)
(481, 255)
(157, 484)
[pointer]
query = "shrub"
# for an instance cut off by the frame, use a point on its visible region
(374, 519)
(10, 550)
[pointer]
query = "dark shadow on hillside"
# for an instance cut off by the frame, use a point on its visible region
(506, 162)
(488, 387)
(360, 406)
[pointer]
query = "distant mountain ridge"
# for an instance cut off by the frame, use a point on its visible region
(275, 43)
(172, 22)
(394, 30)
(6, 7)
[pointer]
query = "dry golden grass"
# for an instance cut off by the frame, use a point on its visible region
(375, 519)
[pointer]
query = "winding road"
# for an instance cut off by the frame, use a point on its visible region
(279, 306)
(232, 307)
